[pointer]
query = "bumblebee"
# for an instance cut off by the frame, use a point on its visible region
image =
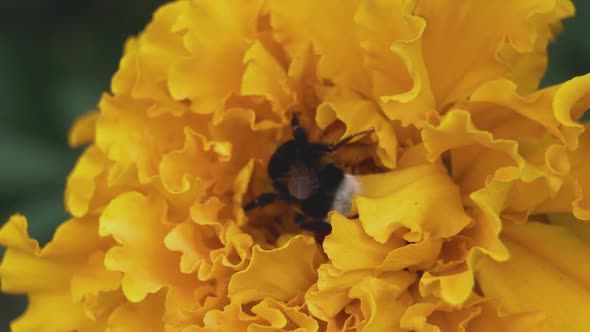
(304, 176)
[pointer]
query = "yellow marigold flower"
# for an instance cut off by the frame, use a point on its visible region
(474, 184)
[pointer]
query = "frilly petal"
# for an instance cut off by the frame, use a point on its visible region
(455, 70)
(144, 316)
(541, 255)
(296, 23)
(453, 288)
(45, 274)
(84, 129)
(329, 295)
(137, 223)
(216, 59)
(81, 184)
(571, 101)
(381, 302)
(411, 198)
(143, 69)
(178, 169)
(51, 311)
(93, 278)
(360, 115)
(420, 255)
(280, 273)
(26, 268)
(471, 167)
(350, 248)
(264, 76)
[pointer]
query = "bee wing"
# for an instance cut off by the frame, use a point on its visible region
(303, 181)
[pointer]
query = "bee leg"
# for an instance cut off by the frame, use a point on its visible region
(318, 227)
(261, 200)
(298, 132)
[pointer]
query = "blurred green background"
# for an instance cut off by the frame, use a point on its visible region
(57, 57)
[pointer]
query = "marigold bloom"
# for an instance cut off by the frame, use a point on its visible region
(475, 183)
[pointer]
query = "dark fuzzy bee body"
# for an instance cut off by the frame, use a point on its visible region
(304, 176)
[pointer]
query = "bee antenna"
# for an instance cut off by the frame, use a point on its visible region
(334, 147)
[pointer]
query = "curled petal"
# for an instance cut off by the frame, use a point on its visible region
(296, 23)
(280, 273)
(264, 76)
(93, 278)
(330, 295)
(136, 222)
(554, 256)
(413, 198)
(144, 316)
(83, 129)
(420, 255)
(453, 288)
(455, 70)
(360, 115)
(81, 185)
(52, 311)
(350, 248)
(381, 302)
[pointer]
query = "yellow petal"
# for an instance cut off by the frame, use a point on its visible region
(471, 165)
(541, 255)
(420, 255)
(264, 76)
(330, 295)
(280, 316)
(143, 316)
(147, 59)
(14, 235)
(455, 30)
(280, 273)
(578, 227)
(231, 318)
(453, 288)
(81, 184)
(83, 129)
(359, 115)
(391, 39)
(51, 311)
(580, 163)
(217, 37)
(295, 23)
(136, 222)
(493, 318)
(127, 136)
(26, 269)
(180, 168)
(430, 317)
(93, 278)
(350, 248)
(421, 198)
(571, 100)
(380, 300)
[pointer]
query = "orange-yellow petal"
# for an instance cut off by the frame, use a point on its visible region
(144, 316)
(137, 223)
(350, 248)
(81, 184)
(541, 255)
(280, 273)
(83, 129)
(421, 198)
